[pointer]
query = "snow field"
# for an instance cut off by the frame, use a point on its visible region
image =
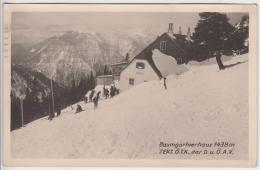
(200, 105)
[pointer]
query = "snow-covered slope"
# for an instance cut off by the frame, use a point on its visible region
(201, 105)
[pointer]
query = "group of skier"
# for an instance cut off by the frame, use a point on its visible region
(95, 99)
(94, 96)
(113, 91)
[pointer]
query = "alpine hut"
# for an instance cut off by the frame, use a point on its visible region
(142, 67)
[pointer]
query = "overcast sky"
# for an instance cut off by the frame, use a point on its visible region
(44, 23)
(110, 19)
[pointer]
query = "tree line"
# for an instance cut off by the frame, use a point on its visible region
(31, 94)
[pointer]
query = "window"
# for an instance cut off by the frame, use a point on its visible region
(179, 60)
(131, 81)
(163, 45)
(140, 65)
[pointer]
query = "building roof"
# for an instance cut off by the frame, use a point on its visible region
(177, 42)
(119, 63)
(105, 76)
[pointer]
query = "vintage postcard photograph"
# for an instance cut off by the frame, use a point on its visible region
(130, 85)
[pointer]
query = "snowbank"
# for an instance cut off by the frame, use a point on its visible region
(201, 105)
(167, 64)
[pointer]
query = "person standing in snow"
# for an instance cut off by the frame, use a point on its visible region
(114, 90)
(51, 115)
(58, 110)
(107, 93)
(104, 91)
(117, 91)
(111, 91)
(51, 112)
(86, 99)
(79, 108)
(91, 95)
(164, 83)
(95, 100)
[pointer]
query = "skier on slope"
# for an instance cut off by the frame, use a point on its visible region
(95, 100)
(51, 115)
(111, 91)
(51, 112)
(58, 109)
(79, 109)
(104, 91)
(91, 95)
(164, 83)
(86, 99)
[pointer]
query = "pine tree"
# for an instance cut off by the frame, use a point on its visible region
(213, 32)
(241, 34)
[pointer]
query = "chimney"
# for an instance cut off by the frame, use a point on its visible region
(170, 29)
(180, 31)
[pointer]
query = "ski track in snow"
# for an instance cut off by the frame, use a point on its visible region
(201, 105)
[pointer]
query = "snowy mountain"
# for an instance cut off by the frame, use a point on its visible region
(204, 101)
(74, 54)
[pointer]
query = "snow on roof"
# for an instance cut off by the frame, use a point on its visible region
(172, 36)
(104, 76)
(119, 63)
(167, 64)
(177, 43)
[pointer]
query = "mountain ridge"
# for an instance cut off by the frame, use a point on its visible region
(78, 53)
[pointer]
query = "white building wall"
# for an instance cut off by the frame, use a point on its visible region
(139, 75)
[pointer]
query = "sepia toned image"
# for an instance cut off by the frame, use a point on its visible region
(130, 82)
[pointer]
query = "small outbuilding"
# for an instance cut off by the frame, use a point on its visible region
(117, 68)
(104, 79)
